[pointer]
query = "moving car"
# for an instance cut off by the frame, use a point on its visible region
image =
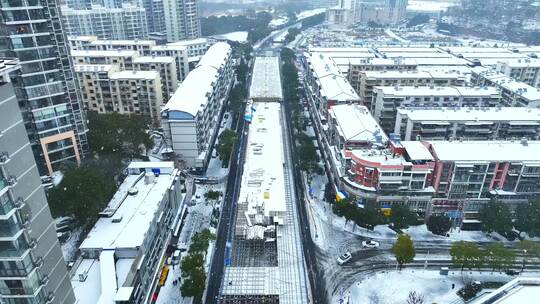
(344, 258)
(370, 244)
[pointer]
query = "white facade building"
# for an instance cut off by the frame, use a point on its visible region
(120, 257)
(386, 100)
(191, 117)
(514, 93)
(181, 19)
(525, 70)
(126, 22)
(468, 123)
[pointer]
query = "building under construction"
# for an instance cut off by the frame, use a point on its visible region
(266, 261)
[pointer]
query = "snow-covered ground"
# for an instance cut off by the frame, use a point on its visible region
(240, 36)
(391, 287)
(421, 233)
(278, 21)
(69, 248)
(309, 13)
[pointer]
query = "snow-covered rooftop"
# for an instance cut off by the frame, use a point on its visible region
(334, 86)
(407, 91)
(153, 59)
(417, 55)
(148, 75)
(350, 50)
(216, 56)
(193, 93)
(522, 63)
(487, 151)
(265, 80)
(514, 114)
(263, 178)
(104, 53)
(189, 42)
(411, 49)
(123, 42)
(441, 61)
(415, 74)
(127, 227)
(417, 150)
(355, 123)
(517, 87)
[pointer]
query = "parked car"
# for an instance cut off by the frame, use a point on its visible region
(344, 258)
(176, 257)
(370, 244)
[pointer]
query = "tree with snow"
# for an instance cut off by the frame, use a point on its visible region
(466, 255)
(496, 216)
(499, 257)
(439, 224)
(403, 250)
(415, 298)
(528, 217)
(530, 250)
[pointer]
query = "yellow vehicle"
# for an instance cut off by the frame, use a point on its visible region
(164, 274)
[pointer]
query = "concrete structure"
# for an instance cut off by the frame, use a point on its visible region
(525, 70)
(368, 80)
(106, 89)
(165, 66)
(266, 81)
(468, 123)
(191, 117)
(347, 12)
(518, 290)
(326, 85)
(47, 93)
(386, 100)
(121, 256)
(32, 268)
(195, 47)
(142, 47)
(126, 22)
(514, 93)
(181, 19)
(122, 58)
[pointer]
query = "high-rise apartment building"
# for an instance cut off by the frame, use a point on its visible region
(125, 22)
(181, 19)
(47, 94)
(32, 269)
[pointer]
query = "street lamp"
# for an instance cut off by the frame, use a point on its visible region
(524, 254)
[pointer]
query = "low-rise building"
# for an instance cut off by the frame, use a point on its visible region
(368, 80)
(387, 100)
(120, 259)
(165, 66)
(525, 70)
(326, 86)
(106, 89)
(514, 93)
(468, 123)
(122, 58)
(191, 117)
(195, 47)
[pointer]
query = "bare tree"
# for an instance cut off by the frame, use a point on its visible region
(374, 298)
(415, 298)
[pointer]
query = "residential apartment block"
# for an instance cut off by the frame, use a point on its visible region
(32, 269)
(525, 70)
(326, 85)
(46, 90)
(191, 117)
(387, 100)
(121, 255)
(514, 93)
(106, 89)
(125, 22)
(144, 48)
(165, 66)
(181, 19)
(368, 80)
(434, 176)
(468, 123)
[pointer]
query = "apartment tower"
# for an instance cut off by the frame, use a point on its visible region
(47, 94)
(32, 269)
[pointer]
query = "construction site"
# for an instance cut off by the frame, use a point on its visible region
(265, 262)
